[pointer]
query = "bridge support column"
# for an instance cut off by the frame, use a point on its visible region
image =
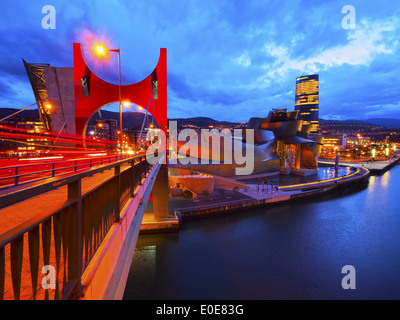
(160, 194)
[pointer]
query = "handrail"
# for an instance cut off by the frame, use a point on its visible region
(16, 176)
(53, 183)
(74, 228)
(56, 162)
(27, 225)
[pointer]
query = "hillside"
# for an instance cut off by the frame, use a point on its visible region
(32, 115)
(201, 122)
(132, 119)
(385, 122)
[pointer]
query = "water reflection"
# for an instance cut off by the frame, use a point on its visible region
(291, 251)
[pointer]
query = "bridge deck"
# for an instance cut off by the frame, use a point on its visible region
(13, 216)
(25, 212)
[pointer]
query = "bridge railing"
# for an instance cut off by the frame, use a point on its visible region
(45, 257)
(32, 172)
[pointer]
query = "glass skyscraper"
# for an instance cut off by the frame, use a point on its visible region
(307, 100)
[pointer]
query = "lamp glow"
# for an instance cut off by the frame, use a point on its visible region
(100, 51)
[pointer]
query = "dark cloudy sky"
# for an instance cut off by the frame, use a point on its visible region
(227, 59)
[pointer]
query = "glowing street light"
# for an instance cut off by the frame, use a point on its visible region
(100, 50)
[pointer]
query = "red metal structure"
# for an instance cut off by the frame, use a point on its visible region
(103, 93)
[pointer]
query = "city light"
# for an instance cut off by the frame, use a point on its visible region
(41, 158)
(100, 51)
(97, 154)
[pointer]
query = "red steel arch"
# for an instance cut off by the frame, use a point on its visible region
(103, 93)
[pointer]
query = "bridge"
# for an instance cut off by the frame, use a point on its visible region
(69, 225)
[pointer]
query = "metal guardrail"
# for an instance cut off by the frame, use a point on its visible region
(72, 166)
(68, 238)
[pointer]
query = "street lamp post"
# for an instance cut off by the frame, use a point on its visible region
(101, 52)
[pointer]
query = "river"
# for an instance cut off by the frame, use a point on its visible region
(291, 251)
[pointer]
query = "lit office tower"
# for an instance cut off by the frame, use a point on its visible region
(307, 100)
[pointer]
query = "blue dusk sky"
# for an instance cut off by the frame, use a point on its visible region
(227, 59)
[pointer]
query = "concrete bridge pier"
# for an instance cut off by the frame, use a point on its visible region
(159, 219)
(160, 194)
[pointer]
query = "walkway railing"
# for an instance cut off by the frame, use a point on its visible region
(63, 242)
(32, 172)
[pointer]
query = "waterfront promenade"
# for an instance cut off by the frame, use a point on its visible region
(373, 166)
(229, 201)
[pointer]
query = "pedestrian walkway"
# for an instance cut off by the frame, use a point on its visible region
(49, 202)
(25, 213)
(375, 166)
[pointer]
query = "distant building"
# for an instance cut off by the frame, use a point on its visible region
(335, 140)
(134, 136)
(22, 138)
(307, 100)
(103, 129)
